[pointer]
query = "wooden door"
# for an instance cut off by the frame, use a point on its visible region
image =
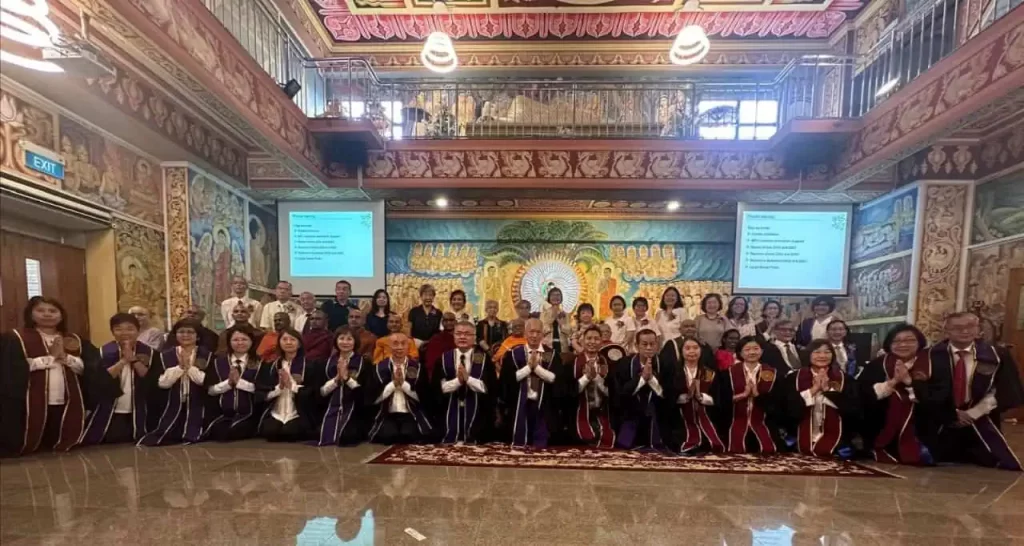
(62, 271)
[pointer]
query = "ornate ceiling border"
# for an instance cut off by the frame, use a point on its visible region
(190, 47)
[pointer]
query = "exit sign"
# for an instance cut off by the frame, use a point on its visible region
(43, 161)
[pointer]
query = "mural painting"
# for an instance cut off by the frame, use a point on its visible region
(988, 277)
(22, 121)
(263, 259)
(999, 209)
(218, 242)
(879, 290)
(885, 226)
(111, 175)
(141, 272)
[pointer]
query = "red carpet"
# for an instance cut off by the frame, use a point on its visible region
(496, 455)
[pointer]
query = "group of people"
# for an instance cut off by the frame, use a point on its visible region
(721, 382)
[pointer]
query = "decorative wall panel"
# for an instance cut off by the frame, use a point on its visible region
(941, 249)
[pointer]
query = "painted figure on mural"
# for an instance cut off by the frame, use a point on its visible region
(257, 239)
(202, 270)
(221, 264)
(491, 283)
(607, 287)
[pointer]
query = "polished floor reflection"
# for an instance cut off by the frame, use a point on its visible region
(259, 493)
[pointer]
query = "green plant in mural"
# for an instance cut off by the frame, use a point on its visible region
(518, 242)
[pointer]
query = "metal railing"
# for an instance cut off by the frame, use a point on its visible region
(699, 109)
(915, 42)
(260, 29)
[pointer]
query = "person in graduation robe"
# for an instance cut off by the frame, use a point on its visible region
(491, 331)
(45, 379)
(206, 337)
(182, 378)
(595, 387)
(530, 391)
(846, 352)
(438, 344)
(317, 341)
(347, 379)
(134, 367)
(823, 401)
(645, 386)
(466, 387)
(976, 383)
(699, 391)
(401, 394)
(758, 395)
(687, 328)
(232, 412)
(896, 400)
(280, 383)
(240, 314)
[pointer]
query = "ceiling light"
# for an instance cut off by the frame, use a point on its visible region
(690, 46)
(887, 86)
(672, 205)
(438, 53)
(28, 23)
(441, 202)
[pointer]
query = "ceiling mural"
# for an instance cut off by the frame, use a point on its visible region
(397, 21)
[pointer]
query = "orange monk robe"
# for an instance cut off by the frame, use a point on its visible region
(383, 350)
(510, 343)
(267, 349)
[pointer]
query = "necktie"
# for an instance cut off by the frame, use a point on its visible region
(960, 380)
(306, 326)
(238, 363)
(534, 380)
(791, 356)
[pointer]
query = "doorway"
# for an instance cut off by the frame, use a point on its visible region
(55, 269)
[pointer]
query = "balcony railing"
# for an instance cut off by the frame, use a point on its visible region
(261, 30)
(503, 108)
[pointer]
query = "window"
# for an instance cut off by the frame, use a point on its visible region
(392, 111)
(752, 120)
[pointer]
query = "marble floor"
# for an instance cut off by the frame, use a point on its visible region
(259, 493)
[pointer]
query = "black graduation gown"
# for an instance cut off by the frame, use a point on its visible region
(845, 395)
(716, 413)
(14, 382)
(876, 414)
(773, 357)
(645, 419)
(266, 381)
(552, 404)
(348, 422)
(417, 426)
(465, 415)
(493, 335)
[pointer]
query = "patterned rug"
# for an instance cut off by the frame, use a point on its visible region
(582, 458)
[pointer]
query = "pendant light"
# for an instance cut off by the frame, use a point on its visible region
(28, 22)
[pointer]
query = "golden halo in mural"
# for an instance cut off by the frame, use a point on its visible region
(534, 280)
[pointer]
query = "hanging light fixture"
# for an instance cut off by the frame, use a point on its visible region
(438, 53)
(690, 46)
(28, 22)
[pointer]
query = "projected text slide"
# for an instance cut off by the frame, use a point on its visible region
(333, 244)
(792, 250)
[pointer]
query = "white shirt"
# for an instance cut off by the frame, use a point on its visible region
(54, 374)
(275, 307)
(284, 409)
(597, 389)
(622, 335)
(228, 305)
(525, 372)
(239, 363)
(453, 385)
(399, 397)
(841, 356)
(819, 330)
(332, 383)
(303, 316)
(784, 349)
(988, 403)
(818, 402)
(668, 322)
(174, 375)
(123, 404)
(745, 328)
(691, 376)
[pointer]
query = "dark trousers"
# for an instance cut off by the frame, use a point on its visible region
(398, 428)
(292, 431)
(51, 430)
(961, 445)
(120, 429)
(222, 431)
